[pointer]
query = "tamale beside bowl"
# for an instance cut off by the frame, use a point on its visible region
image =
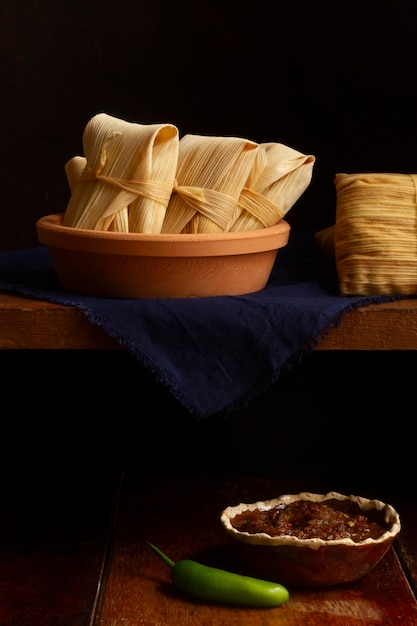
(311, 561)
(135, 265)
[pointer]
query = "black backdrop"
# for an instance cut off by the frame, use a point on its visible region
(331, 79)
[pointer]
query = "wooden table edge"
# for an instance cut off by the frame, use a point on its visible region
(36, 324)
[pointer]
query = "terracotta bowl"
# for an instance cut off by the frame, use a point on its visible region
(313, 562)
(129, 265)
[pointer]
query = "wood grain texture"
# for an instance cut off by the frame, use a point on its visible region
(180, 514)
(78, 556)
(53, 548)
(385, 326)
(407, 541)
(33, 324)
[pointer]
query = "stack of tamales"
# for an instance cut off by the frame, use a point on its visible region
(142, 178)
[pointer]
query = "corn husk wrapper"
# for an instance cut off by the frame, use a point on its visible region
(211, 174)
(74, 170)
(128, 167)
(375, 234)
(272, 190)
(325, 240)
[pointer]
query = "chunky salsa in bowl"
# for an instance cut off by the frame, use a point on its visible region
(312, 539)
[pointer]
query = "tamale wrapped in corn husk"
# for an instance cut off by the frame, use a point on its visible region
(74, 169)
(325, 239)
(273, 189)
(211, 174)
(128, 165)
(375, 234)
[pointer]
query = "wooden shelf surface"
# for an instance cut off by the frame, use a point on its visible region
(37, 325)
(180, 514)
(68, 569)
(33, 324)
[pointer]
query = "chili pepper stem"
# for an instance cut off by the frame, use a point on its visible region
(163, 556)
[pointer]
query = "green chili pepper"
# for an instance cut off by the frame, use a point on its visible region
(217, 585)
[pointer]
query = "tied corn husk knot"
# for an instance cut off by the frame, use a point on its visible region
(215, 206)
(375, 233)
(211, 174)
(150, 189)
(129, 169)
(274, 186)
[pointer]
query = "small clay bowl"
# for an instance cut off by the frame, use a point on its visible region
(130, 265)
(313, 562)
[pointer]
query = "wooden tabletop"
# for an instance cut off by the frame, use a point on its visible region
(86, 562)
(33, 324)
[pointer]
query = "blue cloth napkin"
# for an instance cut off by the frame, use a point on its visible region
(213, 354)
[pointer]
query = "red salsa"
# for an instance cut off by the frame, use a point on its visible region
(332, 519)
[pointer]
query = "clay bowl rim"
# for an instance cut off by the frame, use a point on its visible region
(391, 516)
(51, 232)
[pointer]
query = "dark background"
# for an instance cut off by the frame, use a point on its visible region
(336, 80)
(331, 79)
